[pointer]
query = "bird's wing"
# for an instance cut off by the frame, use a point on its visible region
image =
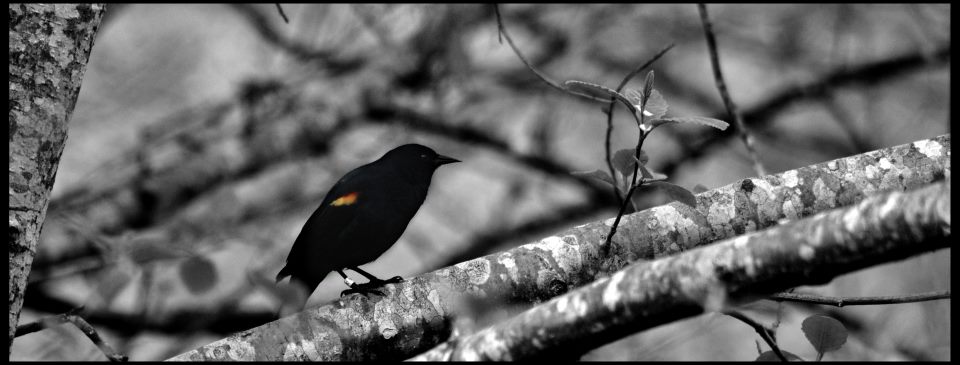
(336, 211)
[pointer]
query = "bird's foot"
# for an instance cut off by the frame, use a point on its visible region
(393, 280)
(370, 287)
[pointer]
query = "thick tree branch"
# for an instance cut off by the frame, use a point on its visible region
(49, 47)
(811, 251)
(416, 315)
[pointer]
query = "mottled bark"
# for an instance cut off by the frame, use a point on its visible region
(416, 315)
(49, 48)
(811, 251)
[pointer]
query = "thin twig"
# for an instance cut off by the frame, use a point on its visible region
(282, 15)
(503, 30)
(636, 166)
(72, 317)
(763, 113)
(724, 94)
(844, 301)
(766, 334)
(610, 108)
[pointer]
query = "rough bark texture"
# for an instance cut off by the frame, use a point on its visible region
(811, 251)
(416, 315)
(49, 49)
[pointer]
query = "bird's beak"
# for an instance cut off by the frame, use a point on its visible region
(443, 160)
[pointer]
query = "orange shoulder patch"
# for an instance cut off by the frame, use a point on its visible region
(346, 199)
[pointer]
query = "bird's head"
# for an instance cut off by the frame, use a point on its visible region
(416, 159)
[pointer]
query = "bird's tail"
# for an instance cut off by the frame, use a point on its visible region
(284, 272)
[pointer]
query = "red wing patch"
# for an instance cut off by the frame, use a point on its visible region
(346, 199)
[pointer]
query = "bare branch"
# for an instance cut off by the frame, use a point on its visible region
(765, 333)
(845, 301)
(72, 317)
(282, 15)
(503, 30)
(725, 95)
(863, 75)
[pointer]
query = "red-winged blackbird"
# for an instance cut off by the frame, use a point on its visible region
(362, 215)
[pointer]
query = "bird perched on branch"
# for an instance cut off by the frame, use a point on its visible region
(363, 214)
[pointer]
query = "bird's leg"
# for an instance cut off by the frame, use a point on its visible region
(354, 287)
(368, 287)
(346, 280)
(393, 280)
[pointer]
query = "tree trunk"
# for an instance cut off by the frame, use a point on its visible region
(49, 49)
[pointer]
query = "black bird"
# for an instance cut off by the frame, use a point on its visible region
(362, 215)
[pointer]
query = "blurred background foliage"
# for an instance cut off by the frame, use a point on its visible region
(205, 135)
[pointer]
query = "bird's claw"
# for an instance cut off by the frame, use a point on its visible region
(370, 287)
(363, 291)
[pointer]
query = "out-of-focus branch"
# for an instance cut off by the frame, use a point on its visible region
(224, 320)
(329, 59)
(379, 110)
(177, 168)
(761, 114)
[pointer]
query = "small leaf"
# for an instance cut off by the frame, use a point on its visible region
(699, 188)
(590, 89)
(675, 192)
(771, 356)
(643, 197)
(710, 122)
(824, 333)
(656, 105)
(648, 84)
(198, 274)
(596, 174)
(624, 160)
(650, 176)
(634, 96)
(597, 91)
